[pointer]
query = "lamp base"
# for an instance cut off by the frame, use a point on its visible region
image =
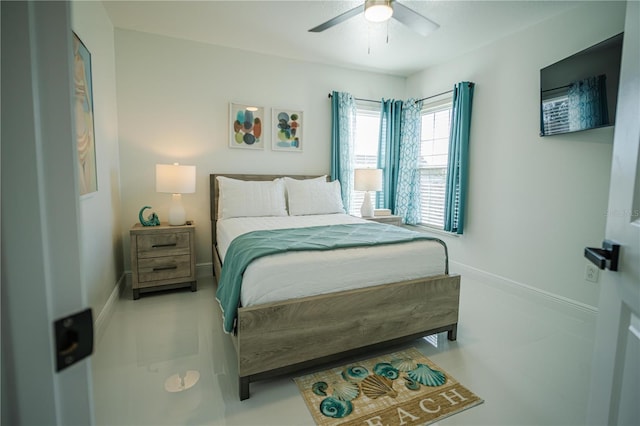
(177, 214)
(366, 210)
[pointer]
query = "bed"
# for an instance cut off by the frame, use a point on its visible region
(288, 333)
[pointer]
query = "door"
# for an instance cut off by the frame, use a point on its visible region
(40, 237)
(615, 379)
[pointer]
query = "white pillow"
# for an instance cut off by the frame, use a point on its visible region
(322, 178)
(313, 196)
(240, 198)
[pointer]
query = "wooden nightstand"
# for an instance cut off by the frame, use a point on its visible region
(162, 257)
(391, 220)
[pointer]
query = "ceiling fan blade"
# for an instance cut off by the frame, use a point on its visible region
(413, 19)
(338, 19)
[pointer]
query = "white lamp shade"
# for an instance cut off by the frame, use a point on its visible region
(377, 10)
(368, 179)
(175, 178)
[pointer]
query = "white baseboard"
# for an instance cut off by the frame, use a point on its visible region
(100, 323)
(204, 269)
(521, 289)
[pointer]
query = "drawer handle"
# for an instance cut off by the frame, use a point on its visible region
(165, 268)
(164, 245)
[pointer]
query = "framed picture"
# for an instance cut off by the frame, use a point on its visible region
(246, 126)
(83, 110)
(287, 127)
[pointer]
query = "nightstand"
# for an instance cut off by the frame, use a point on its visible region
(162, 257)
(391, 219)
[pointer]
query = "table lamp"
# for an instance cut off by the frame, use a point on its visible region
(367, 180)
(176, 179)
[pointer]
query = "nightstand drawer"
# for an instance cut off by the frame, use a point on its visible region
(166, 244)
(164, 268)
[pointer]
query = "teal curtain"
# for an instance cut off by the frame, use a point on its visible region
(457, 171)
(343, 124)
(389, 151)
(588, 103)
(407, 194)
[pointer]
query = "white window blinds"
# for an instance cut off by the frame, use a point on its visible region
(555, 115)
(365, 153)
(434, 150)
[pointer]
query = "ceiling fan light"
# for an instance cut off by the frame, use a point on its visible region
(377, 10)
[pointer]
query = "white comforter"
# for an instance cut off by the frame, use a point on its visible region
(298, 274)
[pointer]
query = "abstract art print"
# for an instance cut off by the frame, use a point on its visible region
(246, 129)
(287, 130)
(83, 111)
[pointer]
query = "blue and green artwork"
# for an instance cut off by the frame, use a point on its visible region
(247, 127)
(287, 130)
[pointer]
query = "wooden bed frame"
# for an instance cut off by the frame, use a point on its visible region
(282, 337)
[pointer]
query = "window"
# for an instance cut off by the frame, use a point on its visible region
(365, 152)
(434, 155)
(434, 149)
(555, 114)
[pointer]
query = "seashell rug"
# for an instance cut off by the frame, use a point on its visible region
(403, 387)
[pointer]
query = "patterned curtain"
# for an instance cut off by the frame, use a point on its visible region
(457, 170)
(588, 103)
(407, 196)
(343, 125)
(389, 152)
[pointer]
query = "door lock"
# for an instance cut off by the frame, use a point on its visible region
(74, 338)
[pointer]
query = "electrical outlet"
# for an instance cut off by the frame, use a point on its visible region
(591, 273)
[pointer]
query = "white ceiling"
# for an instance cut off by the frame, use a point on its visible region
(280, 28)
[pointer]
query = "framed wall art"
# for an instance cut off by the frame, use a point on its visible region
(246, 126)
(83, 111)
(287, 127)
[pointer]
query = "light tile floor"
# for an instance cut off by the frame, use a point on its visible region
(529, 360)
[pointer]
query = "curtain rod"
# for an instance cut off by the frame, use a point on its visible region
(433, 96)
(423, 99)
(358, 99)
(556, 88)
(470, 84)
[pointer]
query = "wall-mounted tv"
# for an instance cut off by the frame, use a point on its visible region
(580, 92)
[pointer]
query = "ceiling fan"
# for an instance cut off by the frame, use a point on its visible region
(380, 11)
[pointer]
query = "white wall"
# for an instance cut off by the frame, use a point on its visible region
(100, 227)
(173, 105)
(534, 203)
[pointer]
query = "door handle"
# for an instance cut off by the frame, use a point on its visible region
(605, 257)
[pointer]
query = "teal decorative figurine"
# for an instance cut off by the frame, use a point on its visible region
(152, 219)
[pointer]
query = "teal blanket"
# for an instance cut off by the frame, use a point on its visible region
(253, 245)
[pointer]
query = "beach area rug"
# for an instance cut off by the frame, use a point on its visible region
(403, 387)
